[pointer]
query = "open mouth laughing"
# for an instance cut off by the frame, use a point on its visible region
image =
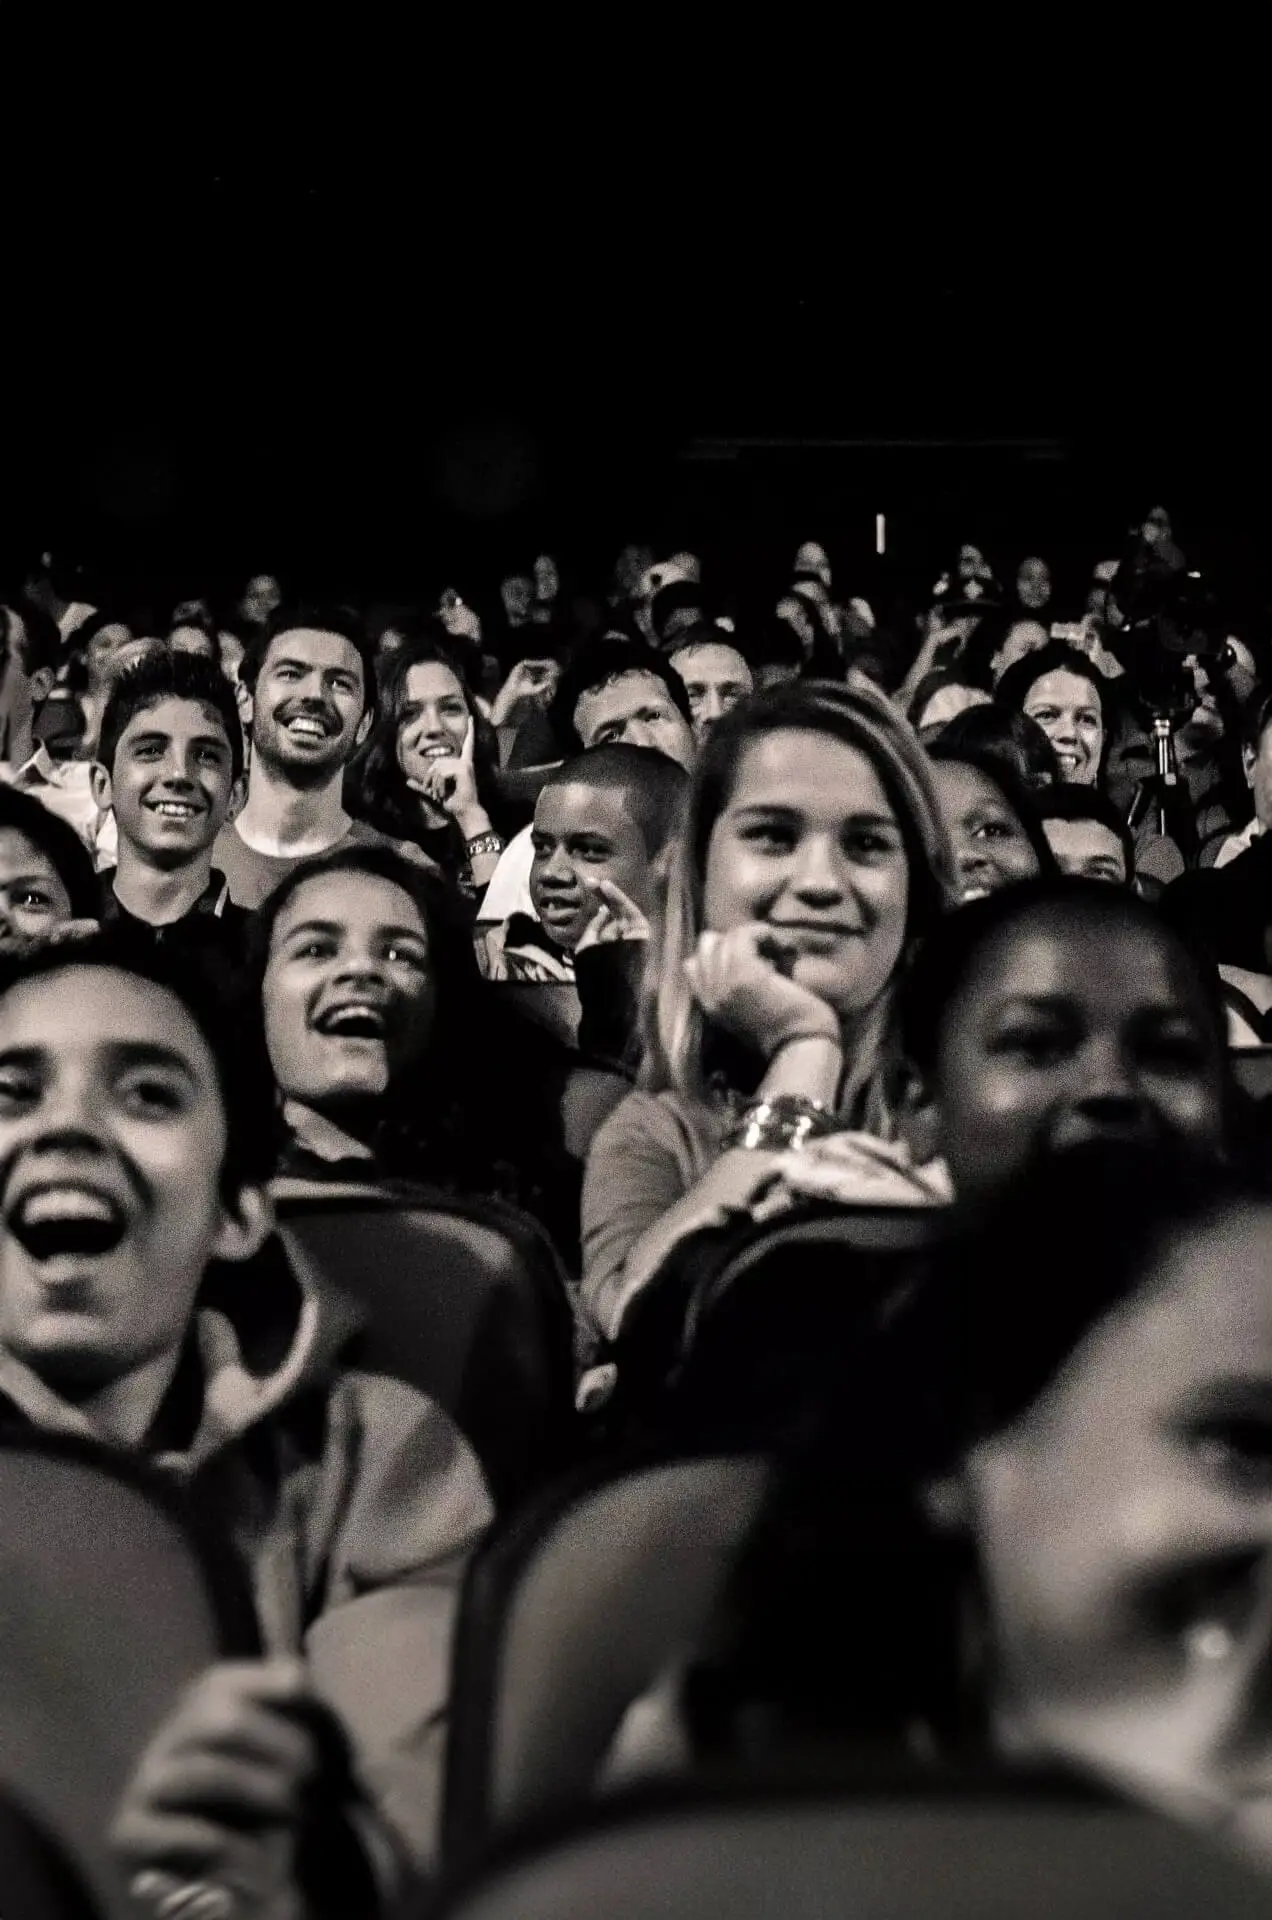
(353, 1020)
(66, 1218)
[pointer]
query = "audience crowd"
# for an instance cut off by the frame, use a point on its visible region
(642, 919)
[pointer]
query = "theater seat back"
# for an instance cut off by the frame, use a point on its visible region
(568, 1617)
(109, 1608)
(466, 1304)
(803, 1856)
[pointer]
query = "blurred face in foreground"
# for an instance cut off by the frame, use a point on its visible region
(1125, 1526)
(112, 1140)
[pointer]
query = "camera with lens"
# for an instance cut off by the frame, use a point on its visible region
(1167, 617)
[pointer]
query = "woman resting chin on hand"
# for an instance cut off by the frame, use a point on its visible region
(811, 856)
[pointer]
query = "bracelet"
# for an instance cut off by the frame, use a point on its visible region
(484, 843)
(805, 1033)
(785, 1122)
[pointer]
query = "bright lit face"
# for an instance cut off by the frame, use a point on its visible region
(309, 707)
(33, 898)
(635, 710)
(582, 834)
(172, 785)
(1088, 850)
(1125, 1519)
(990, 843)
(433, 719)
(716, 678)
(1070, 1029)
(1070, 713)
(809, 843)
(112, 1140)
(349, 993)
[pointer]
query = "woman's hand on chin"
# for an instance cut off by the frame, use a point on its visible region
(737, 981)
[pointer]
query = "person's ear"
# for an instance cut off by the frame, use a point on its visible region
(41, 684)
(1248, 758)
(100, 784)
(246, 1224)
(364, 728)
(238, 797)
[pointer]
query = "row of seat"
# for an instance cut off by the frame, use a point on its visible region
(472, 1308)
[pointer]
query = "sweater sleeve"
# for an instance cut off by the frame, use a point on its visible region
(379, 1650)
(634, 1175)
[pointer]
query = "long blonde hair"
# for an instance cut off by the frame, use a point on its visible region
(675, 1034)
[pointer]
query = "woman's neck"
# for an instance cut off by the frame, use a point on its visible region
(283, 819)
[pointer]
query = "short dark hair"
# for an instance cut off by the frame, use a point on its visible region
(709, 633)
(214, 998)
(1065, 802)
(168, 674)
(1007, 735)
(944, 961)
(596, 664)
(314, 617)
(58, 842)
(652, 784)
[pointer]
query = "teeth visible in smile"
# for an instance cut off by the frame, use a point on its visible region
(66, 1203)
(175, 809)
(439, 753)
(360, 1015)
(313, 728)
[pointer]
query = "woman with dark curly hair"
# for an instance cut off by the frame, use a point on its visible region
(427, 771)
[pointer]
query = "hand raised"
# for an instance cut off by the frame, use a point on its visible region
(450, 781)
(616, 918)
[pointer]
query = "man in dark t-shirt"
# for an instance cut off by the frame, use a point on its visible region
(170, 767)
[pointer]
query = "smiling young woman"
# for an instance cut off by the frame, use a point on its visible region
(812, 855)
(427, 771)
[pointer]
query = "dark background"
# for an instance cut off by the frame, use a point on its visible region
(386, 363)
